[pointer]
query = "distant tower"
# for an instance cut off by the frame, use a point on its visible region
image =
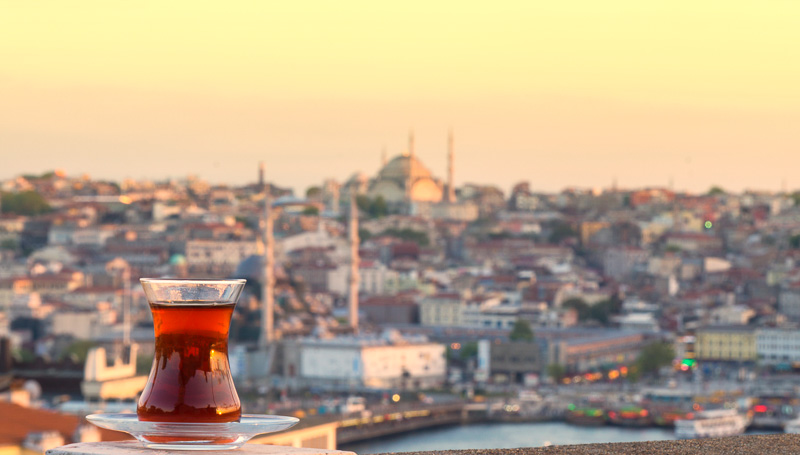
(268, 285)
(384, 159)
(410, 173)
(451, 189)
(334, 189)
(261, 174)
(354, 260)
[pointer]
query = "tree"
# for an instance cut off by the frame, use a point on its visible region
(313, 192)
(716, 191)
(560, 231)
(418, 237)
(79, 349)
(794, 241)
(580, 306)
(654, 356)
(364, 235)
(521, 331)
(311, 210)
(363, 203)
(556, 371)
(469, 350)
(378, 207)
(8, 244)
(24, 203)
(603, 310)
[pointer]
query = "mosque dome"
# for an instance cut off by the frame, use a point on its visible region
(405, 179)
(252, 268)
(404, 167)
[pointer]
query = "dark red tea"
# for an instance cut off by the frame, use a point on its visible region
(190, 380)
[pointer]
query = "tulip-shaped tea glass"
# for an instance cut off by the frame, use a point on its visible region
(190, 380)
(190, 402)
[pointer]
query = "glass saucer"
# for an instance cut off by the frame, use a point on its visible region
(193, 436)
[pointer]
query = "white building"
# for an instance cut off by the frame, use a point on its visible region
(621, 261)
(376, 278)
(731, 315)
(387, 362)
(218, 256)
(775, 346)
(638, 322)
(442, 309)
(789, 302)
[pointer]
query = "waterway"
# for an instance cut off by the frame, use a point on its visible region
(506, 436)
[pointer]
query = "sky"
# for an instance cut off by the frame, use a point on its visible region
(568, 93)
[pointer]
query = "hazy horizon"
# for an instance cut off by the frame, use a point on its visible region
(568, 94)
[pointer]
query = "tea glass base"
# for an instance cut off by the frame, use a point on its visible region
(193, 436)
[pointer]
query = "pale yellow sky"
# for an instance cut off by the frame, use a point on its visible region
(558, 93)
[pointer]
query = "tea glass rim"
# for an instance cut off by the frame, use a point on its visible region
(193, 280)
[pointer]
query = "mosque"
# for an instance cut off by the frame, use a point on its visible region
(404, 180)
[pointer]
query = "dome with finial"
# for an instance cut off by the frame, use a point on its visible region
(404, 167)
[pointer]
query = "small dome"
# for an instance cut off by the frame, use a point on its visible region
(252, 267)
(177, 259)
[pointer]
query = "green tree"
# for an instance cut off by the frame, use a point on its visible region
(560, 231)
(378, 207)
(363, 203)
(672, 248)
(364, 235)
(311, 210)
(521, 331)
(313, 192)
(418, 237)
(8, 244)
(583, 309)
(556, 371)
(796, 197)
(469, 350)
(79, 349)
(24, 203)
(654, 356)
(603, 310)
(794, 241)
(716, 191)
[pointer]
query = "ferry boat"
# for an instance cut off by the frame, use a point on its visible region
(711, 424)
(586, 416)
(630, 416)
(792, 427)
(667, 417)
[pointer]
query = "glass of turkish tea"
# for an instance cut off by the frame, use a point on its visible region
(190, 380)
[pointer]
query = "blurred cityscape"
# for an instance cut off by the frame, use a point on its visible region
(397, 300)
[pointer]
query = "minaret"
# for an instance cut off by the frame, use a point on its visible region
(261, 174)
(451, 189)
(126, 305)
(409, 174)
(384, 159)
(354, 260)
(268, 285)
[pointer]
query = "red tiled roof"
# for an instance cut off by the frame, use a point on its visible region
(17, 421)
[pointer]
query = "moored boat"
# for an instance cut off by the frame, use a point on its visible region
(711, 424)
(630, 416)
(586, 416)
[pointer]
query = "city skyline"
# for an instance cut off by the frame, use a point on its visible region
(561, 95)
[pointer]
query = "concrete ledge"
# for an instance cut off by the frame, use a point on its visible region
(135, 448)
(738, 445)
